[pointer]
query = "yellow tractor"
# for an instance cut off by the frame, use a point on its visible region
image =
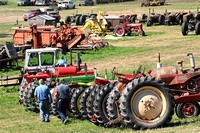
(95, 26)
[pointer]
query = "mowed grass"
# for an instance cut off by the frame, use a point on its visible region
(14, 118)
(129, 52)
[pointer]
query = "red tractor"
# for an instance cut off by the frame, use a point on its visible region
(147, 101)
(41, 64)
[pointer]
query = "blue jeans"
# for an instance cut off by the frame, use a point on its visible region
(44, 110)
(62, 107)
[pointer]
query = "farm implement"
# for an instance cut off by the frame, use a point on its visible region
(65, 37)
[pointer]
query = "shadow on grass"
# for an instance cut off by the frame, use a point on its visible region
(5, 35)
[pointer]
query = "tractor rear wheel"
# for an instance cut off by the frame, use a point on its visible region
(82, 20)
(146, 103)
(100, 102)
(141, 33)
(28, 100)
(90, 104)
(184, 28)
(185, 110)
(197, 28)
(22, 88)
(68, 20)
(133, 19)
(119, 31)
(149, 23)
(77, 19)
(83, 101)
(161, 19)
(75, 101)
(113, 107)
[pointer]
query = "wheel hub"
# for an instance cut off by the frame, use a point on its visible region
(149, 107)
(148, 104)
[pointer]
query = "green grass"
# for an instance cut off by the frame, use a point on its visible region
(14, 118)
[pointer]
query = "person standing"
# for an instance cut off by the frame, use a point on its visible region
(42, 94)
(62, 95)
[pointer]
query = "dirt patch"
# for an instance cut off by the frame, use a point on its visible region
(10, 19)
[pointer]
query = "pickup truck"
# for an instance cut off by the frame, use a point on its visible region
(33, 12)
(25, 3)
(66, 5)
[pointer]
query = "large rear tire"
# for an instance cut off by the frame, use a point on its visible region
(68, 20)
(90, 104)
(22, 88)
(119, 31)
(185, 110)
(100, 102)
(82, 20)
(161, 19)
(28, 100)
(83, 101)
(184, 28)
(146, 103)
(77, 20)
(197, 28)
(75, 103)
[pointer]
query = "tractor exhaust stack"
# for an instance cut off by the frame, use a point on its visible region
(192, 62)
(159, 64)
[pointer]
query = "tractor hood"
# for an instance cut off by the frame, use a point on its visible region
(166, 74)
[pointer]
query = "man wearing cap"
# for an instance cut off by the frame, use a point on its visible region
(62, 95)
(42, 94)
(61, 62)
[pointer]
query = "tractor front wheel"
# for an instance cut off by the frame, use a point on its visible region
(197, 28)
(185, 110)
(146, 103)
(184, 28)
(119, 31)
(141, 33)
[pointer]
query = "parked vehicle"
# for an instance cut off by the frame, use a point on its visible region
(190, 23)
(85, 2)
(42, 2)
(31, 13)
(51, 12)
(153, 3)
(66, 5)
(25, 3)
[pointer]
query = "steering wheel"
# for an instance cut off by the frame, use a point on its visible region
(113, 73)
(138, 70)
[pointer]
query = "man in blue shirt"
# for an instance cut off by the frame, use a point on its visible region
(62, 94)
(42, 94)
(61, 62)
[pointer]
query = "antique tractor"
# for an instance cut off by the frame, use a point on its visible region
(190, 21)
(78, 19)
(118, 25)
(41, 64)
(152, 18)
(147, 101)
(152, 3)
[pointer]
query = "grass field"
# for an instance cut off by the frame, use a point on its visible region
(128, 54)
